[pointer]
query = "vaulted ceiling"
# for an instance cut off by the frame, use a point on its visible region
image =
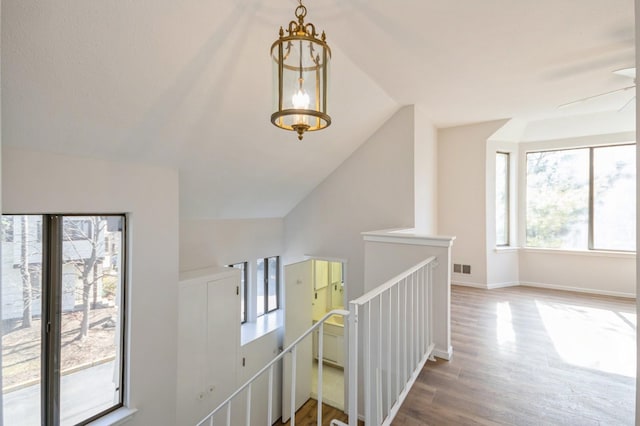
(187, 84)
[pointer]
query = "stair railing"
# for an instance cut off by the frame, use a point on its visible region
(292, 349)
(395, 320)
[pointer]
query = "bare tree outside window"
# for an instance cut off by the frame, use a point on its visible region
(582, 199)
(87, 319)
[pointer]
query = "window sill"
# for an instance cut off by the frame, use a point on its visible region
(593, 253)
(506, 249)
(265, 324)
(117, 417)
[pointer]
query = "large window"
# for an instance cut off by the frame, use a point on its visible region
(582, 198)
(62, 318)
(243, 289)
(267, 272)
(502, 199)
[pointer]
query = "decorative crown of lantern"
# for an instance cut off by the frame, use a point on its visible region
(301, 68)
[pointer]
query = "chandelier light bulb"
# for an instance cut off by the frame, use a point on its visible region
(300, 99)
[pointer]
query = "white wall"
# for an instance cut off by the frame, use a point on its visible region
(372, 189)
(218, 242)
(637, 26)
(599, 273)
(425, 165)
(37, 182)
(461, 195)
(221, 242)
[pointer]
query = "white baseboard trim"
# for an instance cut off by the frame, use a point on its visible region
(543, 285)
(485, 286)
(469, 284)
(446, 355)
(503, 285)
(579, 289)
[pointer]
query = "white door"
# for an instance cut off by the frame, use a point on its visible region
(298, 294)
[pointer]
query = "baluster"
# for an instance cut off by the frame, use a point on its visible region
(353, 364)
(398, 344)
(320, 365)
(389, 345)
(367, 368)
(293, 385)
(248, 419)
(270, 400)
(404, 333)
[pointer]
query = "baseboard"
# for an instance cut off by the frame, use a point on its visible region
(543, 285)
(502, 285)
(468, 284)
(485, 286)
(579, 289)
(442, 354)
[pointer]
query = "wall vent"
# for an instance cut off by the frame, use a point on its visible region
(457, 268)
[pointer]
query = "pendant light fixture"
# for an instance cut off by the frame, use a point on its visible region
(301, 70)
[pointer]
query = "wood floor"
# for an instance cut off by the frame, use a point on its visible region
(306, 415)
(525, 356)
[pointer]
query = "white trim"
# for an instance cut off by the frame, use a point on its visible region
(446, 355)
(325, 258)
(213, 272)
(407, 236)
(592, 253)
(543, 285)
(469, 284)
(506, 249)
(120, 416)
(579, 289)
(263, 325)
(503, 285)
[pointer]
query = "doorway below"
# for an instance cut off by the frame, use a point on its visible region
(332, 385)
(328, 294)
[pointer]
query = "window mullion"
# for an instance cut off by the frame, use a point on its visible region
(266, 285)
(591, 195)
(51, 287)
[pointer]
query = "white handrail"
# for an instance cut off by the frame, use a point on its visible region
(401, 317)
(390, 283)
(290, 348)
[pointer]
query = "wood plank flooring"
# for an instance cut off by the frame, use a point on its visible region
(306, 415)
(526, 356)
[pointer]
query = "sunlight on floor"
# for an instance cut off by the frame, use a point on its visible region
(592, 338)
(505, 334)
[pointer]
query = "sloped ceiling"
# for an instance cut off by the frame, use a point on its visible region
(187, 84)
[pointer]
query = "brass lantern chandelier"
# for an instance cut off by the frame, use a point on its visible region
(301, 68)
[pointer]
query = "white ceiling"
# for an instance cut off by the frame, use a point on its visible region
(187, 84)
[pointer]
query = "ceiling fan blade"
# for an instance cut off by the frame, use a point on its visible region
(596, 96)
(633, 98)
(626, 72)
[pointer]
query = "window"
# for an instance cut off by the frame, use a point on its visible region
(267, 272)
(71, 370)
(7, 229)
(77, 229)
(582, 198)
(502, 199)
(243, 266)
